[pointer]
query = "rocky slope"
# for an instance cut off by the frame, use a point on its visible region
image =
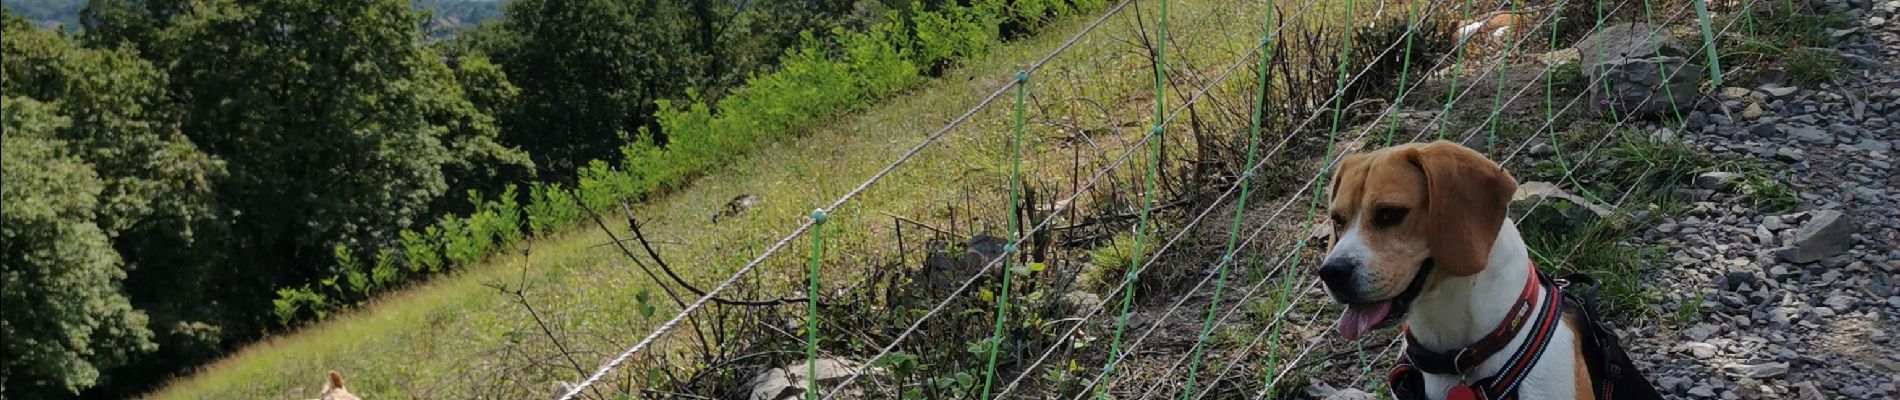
(1795, 305)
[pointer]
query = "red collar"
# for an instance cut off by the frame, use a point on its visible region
(1461, 361)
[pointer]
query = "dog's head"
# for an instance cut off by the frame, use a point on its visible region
(1405, 217)
(333, 389)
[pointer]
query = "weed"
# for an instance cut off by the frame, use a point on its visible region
(1688, 311)
(1811, 66)
(1108, 262)
(1769, 194)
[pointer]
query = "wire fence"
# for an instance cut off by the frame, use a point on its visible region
(1291, 290)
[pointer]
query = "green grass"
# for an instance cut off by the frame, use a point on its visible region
(456, 337)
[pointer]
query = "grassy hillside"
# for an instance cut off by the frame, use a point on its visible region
(461, 337)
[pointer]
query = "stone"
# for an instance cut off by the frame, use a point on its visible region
(1735, 93)
(1717, 180)
(1757, 371)
(1874, 146)
(1810, 134)
(1825, 234)
(1765, 130)
(1752, 112)
(1778, 91)
(788, 382)
(1634, 63)
(1700, 332)
(1351, 394)
(1702, 391)
(1700, 350)
(1735, 280)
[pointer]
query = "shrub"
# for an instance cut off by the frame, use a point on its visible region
(422, 251)
(550, 207)
(506, 218)
(291, 304)
(385, 274)
(951, 33)
(458, 247)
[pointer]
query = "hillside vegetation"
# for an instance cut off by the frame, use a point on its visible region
(215, 171)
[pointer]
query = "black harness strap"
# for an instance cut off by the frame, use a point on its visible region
(1612, 374)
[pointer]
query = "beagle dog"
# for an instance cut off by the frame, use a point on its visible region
(1421, 236)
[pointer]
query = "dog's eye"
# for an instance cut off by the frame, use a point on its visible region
(1388, 216)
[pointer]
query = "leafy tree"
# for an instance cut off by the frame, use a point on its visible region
(147, 187)
(62, 315)
(340, 128)
(589, 71)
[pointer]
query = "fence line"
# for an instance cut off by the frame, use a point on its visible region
(674, 321)
(905, 157)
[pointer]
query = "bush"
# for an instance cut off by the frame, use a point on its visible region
(422, 251)
(550, 207)
(952, 33)
(291, 304)
(459, 248)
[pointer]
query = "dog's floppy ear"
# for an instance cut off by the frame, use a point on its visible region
(336, 381)
(1467, 197)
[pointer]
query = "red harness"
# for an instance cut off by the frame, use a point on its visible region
(1407, 377)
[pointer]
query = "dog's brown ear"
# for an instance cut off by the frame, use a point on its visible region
(1467, 197)
(336, 381)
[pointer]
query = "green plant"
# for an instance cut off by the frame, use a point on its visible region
(459, 245)
(291, 304)
(1769, 193)
(422, 251)
(1811, 65)
(1688, 311)
(1108, 262)
(550, 207)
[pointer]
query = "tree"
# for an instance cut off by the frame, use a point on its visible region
(62, 315)
(589, 71)
(131, 193)
(339, 126)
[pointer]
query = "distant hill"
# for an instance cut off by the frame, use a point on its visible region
(446, 16)
(50, 14)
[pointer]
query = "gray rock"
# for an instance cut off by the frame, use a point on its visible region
(1717, 180)
(1765, 130)
(1703, 391)
(1757, 371)
(1700, 332)
(788, 382)
(1825, 234)
(1700, 350)
(1809, 134)
(1778, 90)
(1634, 63)
(1734, 280)
(1874, 146)
(1352, 394)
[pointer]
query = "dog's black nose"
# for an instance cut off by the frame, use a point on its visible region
(1337, 273)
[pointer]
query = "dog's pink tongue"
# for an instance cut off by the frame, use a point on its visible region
(1360, 318)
